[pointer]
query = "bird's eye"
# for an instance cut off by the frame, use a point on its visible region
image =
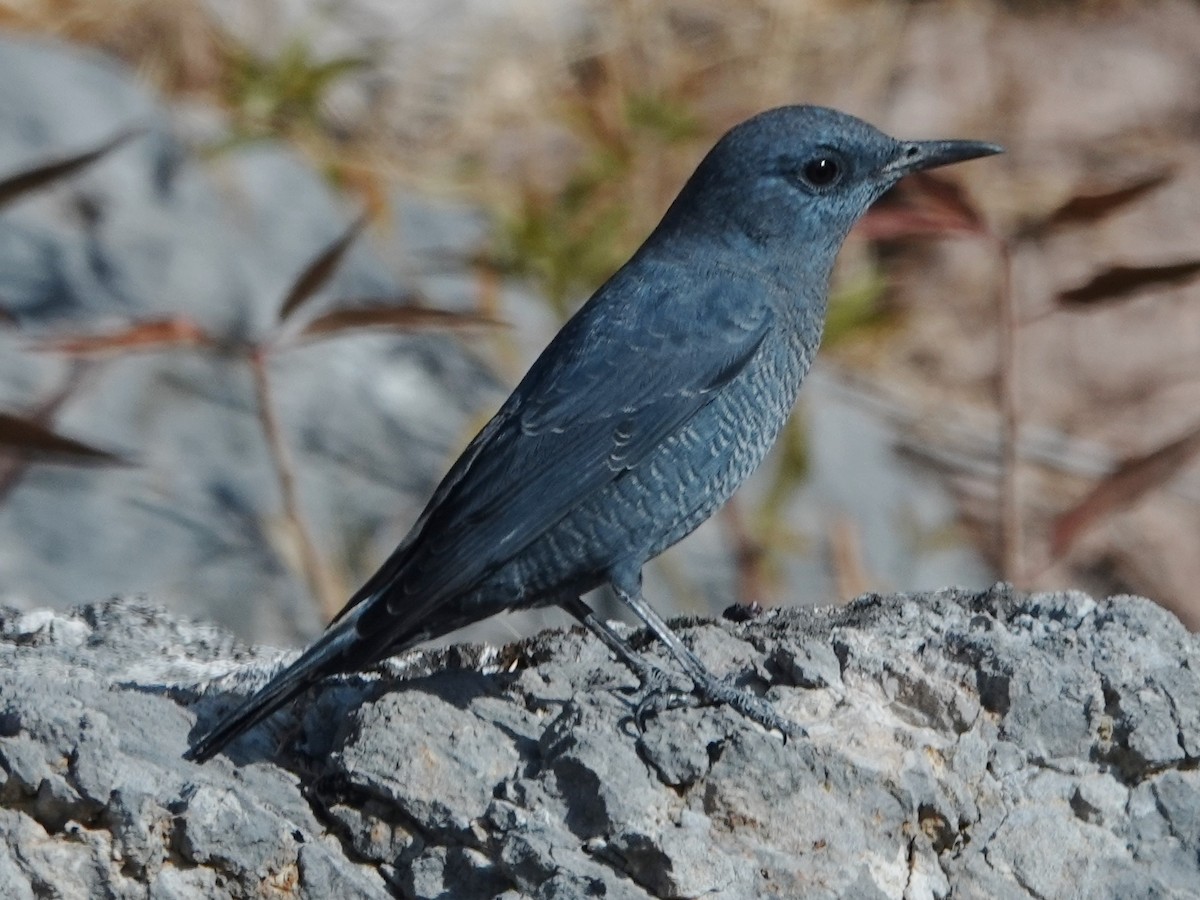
(821, 171)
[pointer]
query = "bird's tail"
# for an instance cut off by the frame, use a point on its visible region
(330, 654)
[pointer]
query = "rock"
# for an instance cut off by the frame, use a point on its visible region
(990, 744)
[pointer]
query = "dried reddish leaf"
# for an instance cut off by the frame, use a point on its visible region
(142, 336)
(34, 439)
(949, 198)
(1118, 282)
(1132, 479)
(321, 269)
(896, 223)
(923, 205)
(404, 318)
(14, 466)
(39, 176)
(1085, 208)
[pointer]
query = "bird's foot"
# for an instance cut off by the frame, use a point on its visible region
(717, 692)
(662, 692)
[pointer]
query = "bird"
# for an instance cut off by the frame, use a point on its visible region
(651, 405)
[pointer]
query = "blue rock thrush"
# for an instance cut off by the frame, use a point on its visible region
(643, 415)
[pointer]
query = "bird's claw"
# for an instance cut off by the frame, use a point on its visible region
(660, 691)
(658, 701)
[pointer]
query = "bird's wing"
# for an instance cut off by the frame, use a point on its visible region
(634, 365)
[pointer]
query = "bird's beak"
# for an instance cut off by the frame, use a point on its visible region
(919, 155)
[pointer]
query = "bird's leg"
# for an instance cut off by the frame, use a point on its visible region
(707, 686)
(661, 690)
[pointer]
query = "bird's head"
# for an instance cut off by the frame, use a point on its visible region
(789, 183)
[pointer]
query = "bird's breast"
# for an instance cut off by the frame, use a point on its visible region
(666, 494)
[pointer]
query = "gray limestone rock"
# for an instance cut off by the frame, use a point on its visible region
(961, 744)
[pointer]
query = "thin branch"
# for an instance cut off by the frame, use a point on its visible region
(749, 556)
(1011, 529)
(320, 582)
(850, 575)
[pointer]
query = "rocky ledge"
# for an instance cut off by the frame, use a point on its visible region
(989, 744)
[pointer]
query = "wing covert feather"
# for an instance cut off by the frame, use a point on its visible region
(622, 375)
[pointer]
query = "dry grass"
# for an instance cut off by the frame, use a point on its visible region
(174, 45)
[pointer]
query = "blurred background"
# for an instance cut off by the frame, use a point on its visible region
(265, 268)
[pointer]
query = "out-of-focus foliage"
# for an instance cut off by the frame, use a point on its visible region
(575, 147)
(279, 95)
(571, 237)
